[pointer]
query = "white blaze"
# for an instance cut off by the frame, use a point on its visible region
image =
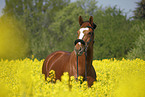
(82, 33)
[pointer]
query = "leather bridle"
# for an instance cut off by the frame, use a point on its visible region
(86, 47)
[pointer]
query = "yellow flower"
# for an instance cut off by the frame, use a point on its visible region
(32, 56)
(115, 78)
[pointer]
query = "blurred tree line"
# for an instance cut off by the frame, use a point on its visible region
(52, 25)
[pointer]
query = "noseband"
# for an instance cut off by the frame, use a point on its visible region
(79, 40)
(86, 47)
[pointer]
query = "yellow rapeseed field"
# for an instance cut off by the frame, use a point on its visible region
(116, 78)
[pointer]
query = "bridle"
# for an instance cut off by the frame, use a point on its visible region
(86, 47)
(82, 41)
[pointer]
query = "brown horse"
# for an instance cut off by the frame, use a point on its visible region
(61, 61)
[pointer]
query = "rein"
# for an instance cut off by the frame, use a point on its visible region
(86, 47)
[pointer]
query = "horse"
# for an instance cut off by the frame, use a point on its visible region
(79, 61)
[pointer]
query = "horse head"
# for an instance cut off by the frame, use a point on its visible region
(85, 35)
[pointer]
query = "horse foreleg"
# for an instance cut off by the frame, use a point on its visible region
(90, 80)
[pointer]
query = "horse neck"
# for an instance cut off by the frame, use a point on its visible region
(90, 54)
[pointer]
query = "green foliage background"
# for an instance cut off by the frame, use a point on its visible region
(52, 25)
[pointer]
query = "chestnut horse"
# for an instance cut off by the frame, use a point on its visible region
(74, 62)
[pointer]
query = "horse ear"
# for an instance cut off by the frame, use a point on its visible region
(80, 20)
(91, 20)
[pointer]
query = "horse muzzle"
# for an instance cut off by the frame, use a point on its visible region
(79, 52)
(79, 47)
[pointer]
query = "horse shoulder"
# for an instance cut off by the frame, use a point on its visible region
(55, 61)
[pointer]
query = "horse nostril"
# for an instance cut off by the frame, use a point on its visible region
(80, 49)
